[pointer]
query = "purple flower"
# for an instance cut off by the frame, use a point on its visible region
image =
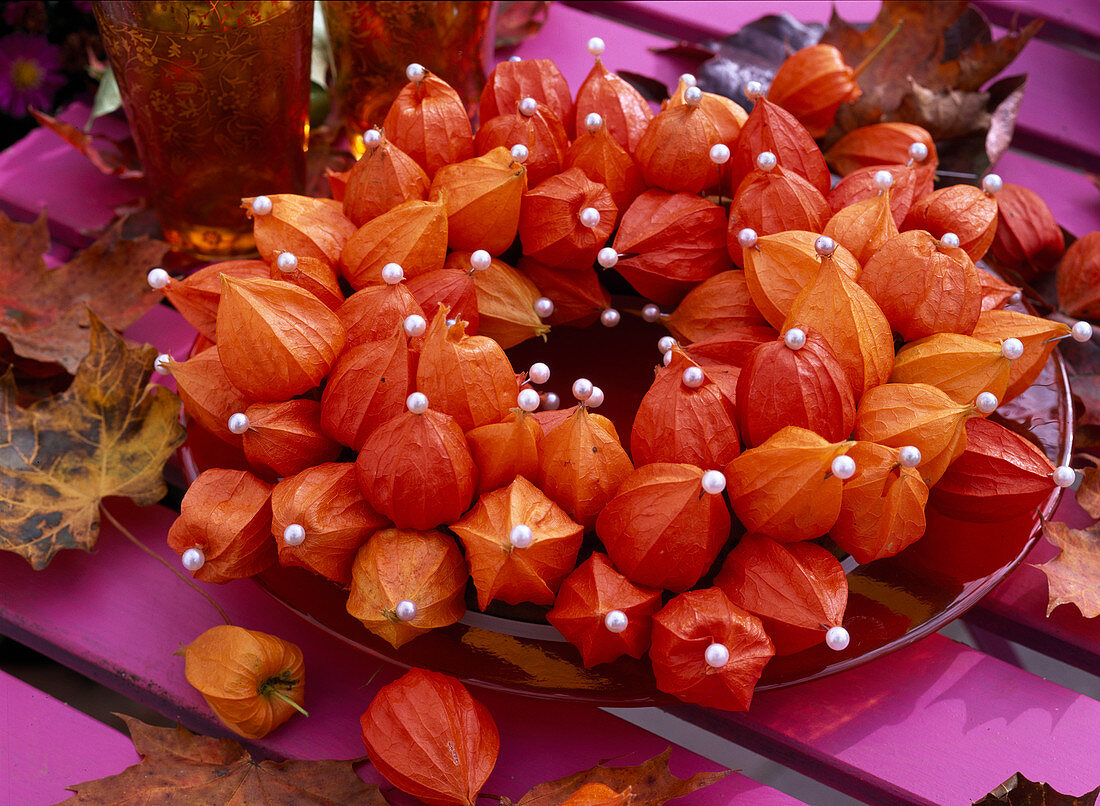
(30, 73)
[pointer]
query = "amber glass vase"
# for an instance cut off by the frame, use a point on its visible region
(217, 96)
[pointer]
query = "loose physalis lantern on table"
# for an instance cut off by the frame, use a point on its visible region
(834, 353)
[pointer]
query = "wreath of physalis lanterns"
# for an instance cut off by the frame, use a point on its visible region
(392, 448)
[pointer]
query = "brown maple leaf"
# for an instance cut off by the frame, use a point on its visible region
(184, 768)
(1019, 791)
(109, 434)
(43, 311)
(122, 161)
(1073, 577)
(1088, 493)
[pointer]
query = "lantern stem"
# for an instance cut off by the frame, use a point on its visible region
(877, 49)
(276, 693)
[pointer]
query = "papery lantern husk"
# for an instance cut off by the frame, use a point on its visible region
(1079, 277)
(578, 297)
(513, 575)
(661, 529)
(196, 297)
(807, 387)
(879, 144)
(428, 121)
(505, 302)
(996, 293)
(1027, 239)
(549, 224)
(325, 500)
(798, 591)
(367, 386)
(859, 185)
(246, 677)
(510, 82)
(416, 470)
(671, 242)
(306, 226)
(999, 476)
(882, 507)
(811, 84)
(412, 234)
(958, 551)
(549, 420)
(683, 630)
(851, 323)
(505, 450)
(587, 595)
(784, 488)
(226, 514)
(863, 227)
(542, 133)
(452, 288)
(678, 423)
(732, 345)
(923, 286)
(318, 277)
(775, 201)
(961, 366)
(1034, 332)
(962, 209)
(394, 565)
(384, 177)
(781, 265)
(603, 160)
(771, 128)
(208, 395)
(483, 196)
(581, 465)
(719, 303)
(431, 739)
(901, 414)
(377, 312)
(625, 113)
(338, 183)
(674, 151)
(468, 377)
(285, 438)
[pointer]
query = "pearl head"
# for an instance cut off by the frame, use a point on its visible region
(667, 359)
(1081, 331)
(521, 536)
(843, 467)
(193, 559)
(986, 403)
(372, 138)
(528, 106)
(883, 180)
(392, 273)
(754, 90)
(286, 262)
(160, 365)
(607, 257)
(720, 154)
(480, 260)
(714, 482)
(616, 621)
(717, 655)
(693, 96)
(405, 610)
(595, 400)
(1012, 348)
(515, 58)
(528, 400)
(595, 46)
(593, 122)
(688, 79)
(589, 217)
(949, 239)
(1064, 476)
(795, 338)
(417, 402)
(158, 278)
(918, 152)
(651, 313)
(294, 535)
(261, 205)
(520, 153)
(692, 377)
(747, 238)
(539, 372)
(837, 639)
(610, 317)
(238, 423)
(992, 183)
(415, 73)
(909, 456)
(665, 343)
(551, 402)
(766, 161)
(415, 325)
(544, 307)
(824, 246)
(582, 389)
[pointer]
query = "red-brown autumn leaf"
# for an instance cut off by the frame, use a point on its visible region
(1038, 335)
(603, 160)
(452, 288)
(774, 201)
(505, 301)
(1073, 576)
(598, 795)
(378, 312)
(625, 113)
(326, 502)
(520, 545)
(961, 366)
(208, 395)
(367, 386)
(196, 296)
(413, 235)
(962, 209)
(591, 592)
(578, 297)
(684, 631)
(811, 83)
(483, 196)
(550, 223)
(428, 122)
(431, 738)
(510, 82)
(384, 177)
(879, 144)
(286, 438)
(798, 590)
(505, 450)
(1027, 238)
(771, 128)
(303, 225)
(541, 132)
(1079, 277)
(717, 304)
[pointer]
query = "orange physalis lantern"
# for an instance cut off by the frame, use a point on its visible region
(505, 450)
(286, 438)
(207, 394)
(864, 226)
(1079, 276)
(483, 197)
(366, 388)
(377, 312)
(384, 177)
(811, 84)
(958, 551)
(865, 183)
(506, 300)
(961, 366)
(301, 225)
(603, 160)
(773, 199)
(1026, 239)
(318, 277)
(413, 235)
(966, 211)
(510, 82)
(996, 293)
(771, 128)
(578, 297)
(1037, 335)
(196, 296)
(428, 122)
(565, 220)
(623, 110)
(452, 288)
(717, 304)
(533, 126)
(879, 144)
(722, 356)
(599, 795)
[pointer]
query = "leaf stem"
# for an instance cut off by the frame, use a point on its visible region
(276, 693)
(877, 49)
(126, 533)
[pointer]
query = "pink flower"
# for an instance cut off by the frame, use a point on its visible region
(30, 73)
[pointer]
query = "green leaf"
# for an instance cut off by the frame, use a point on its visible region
(108, 99)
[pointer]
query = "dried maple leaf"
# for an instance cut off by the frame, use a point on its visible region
(43, 311)
(1073, 577)
(109, 434)
(187, 768)
(1019, 791)
(121, 162)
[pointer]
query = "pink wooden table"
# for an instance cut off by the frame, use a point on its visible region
(936, 723)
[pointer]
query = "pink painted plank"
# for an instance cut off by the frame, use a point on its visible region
(1071, 196)
(117, 616)
(1069, 22)
(46, 746)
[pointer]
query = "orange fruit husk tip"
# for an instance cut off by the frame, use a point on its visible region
(252, 681)
(679, 422)
(1038, 335)
(367, 387)
(910, 183)
(1079, 277)
(964, 210)
(769, 127)
(863, 226)
(208, 395)
(416, 470)
(275, 340)
(882, 508)
(879, 144)
(468, 377)
(781, 265)
(581, 465)
(452, 288)
(505, 450)
(599, 795)
(807, 387)
(585, 599)
(961, 366)
(625, 113)
(431, 739)
(428, 122)
(510, 563)
(670, 242)
(901, 414)
(996, 293)
(285, 438)
(719, 303)
(483, 196)
(337, 184)
(722, 356)
(550, 226)
(326, 502)
(798, 591)
(603, 160)
(423, 568)
(317, 277)
(511, 82)
(811, 84)
(924, 286)
(542, 133)
(784, 488)
(226, 515)
(303, 225)
(577, 294)
(682, 633)
(505, 301)
(196, 297)
(384, 177)
(661, 529)
(413, 235)
(775, 201)
(377, 312)
(1027, 239)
